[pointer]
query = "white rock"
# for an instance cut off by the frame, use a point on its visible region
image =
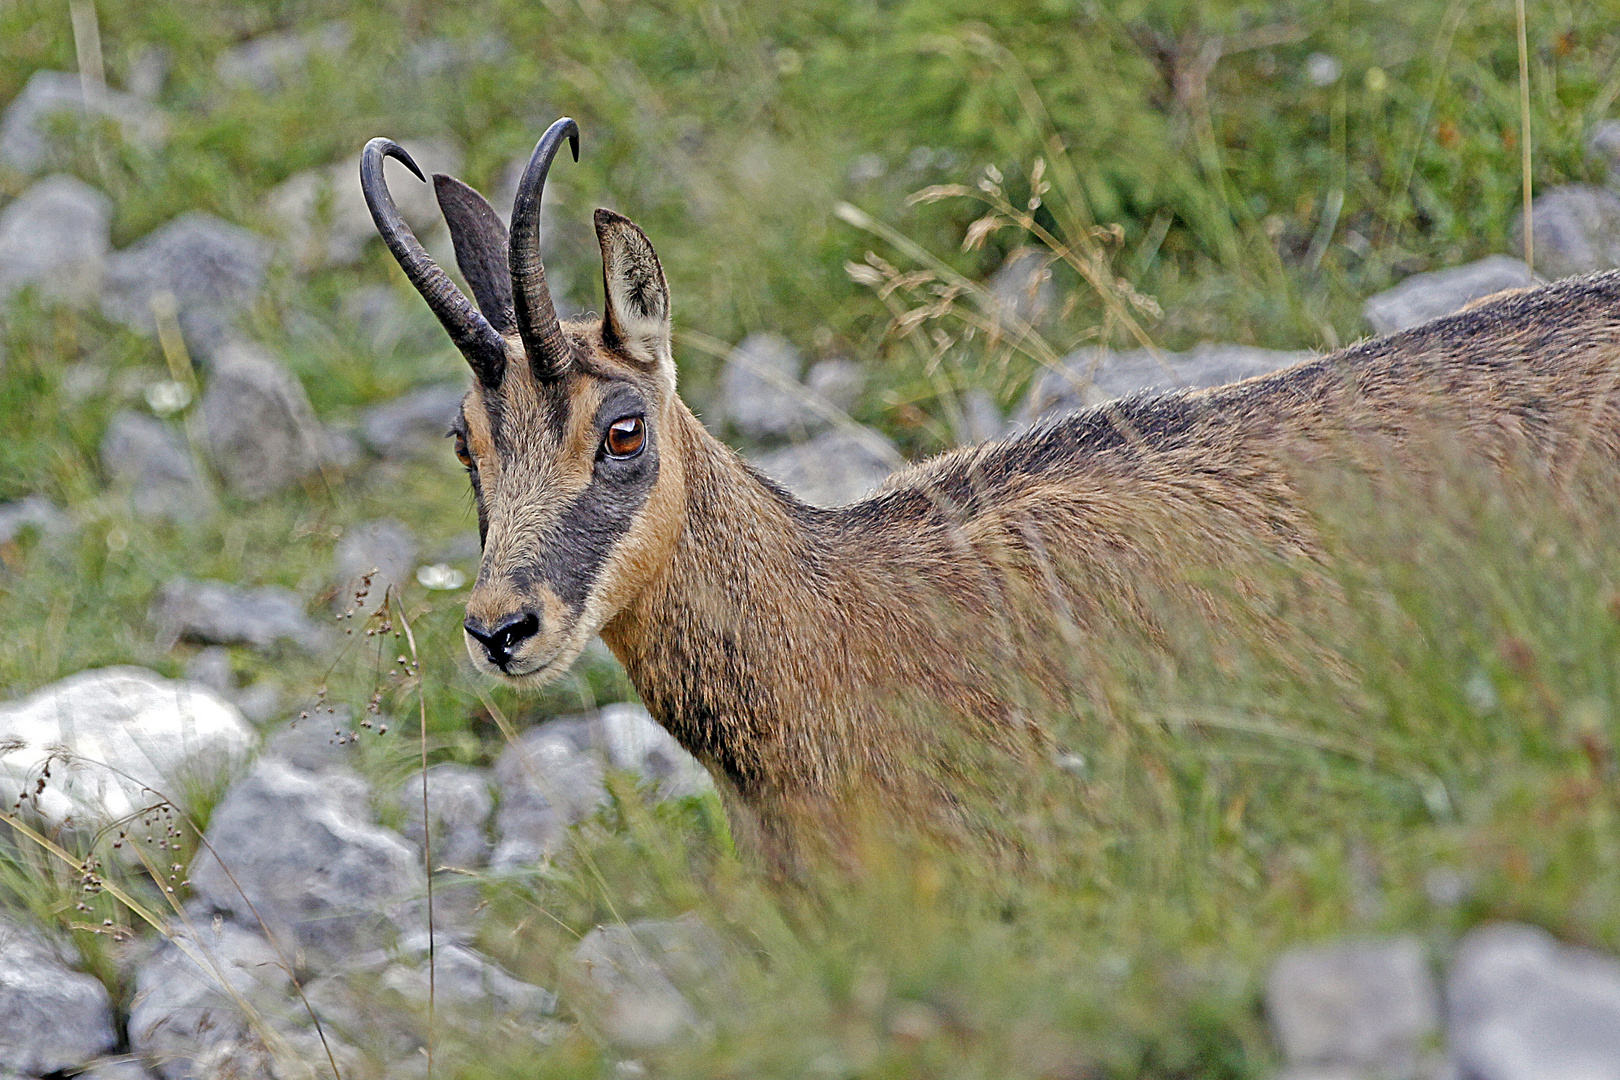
(1523, 1007)
(51, 1017)
(1577, 230)
(56, 235)
(258, 422)
(322, 214)
(1362, 1005)
(837, 467)
(300, 851)
(197, 998)
(628, 978)
(127, 730)
(1091, 376)
(208, 269)
(271, 61)
(27, 137)
(1422, 297)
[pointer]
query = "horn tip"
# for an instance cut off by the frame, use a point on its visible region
(381, 147)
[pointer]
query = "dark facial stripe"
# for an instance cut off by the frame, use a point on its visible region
(587, 528)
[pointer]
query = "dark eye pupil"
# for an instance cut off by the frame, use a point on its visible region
(624, 437)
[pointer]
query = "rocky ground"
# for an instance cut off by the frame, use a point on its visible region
(298, 928)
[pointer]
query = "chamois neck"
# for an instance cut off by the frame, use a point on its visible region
(745, 549)
(743, 643)
(782, 644)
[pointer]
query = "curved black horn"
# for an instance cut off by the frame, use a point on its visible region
(549, 354)
(478, 341)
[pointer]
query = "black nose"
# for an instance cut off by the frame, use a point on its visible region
(502, 641)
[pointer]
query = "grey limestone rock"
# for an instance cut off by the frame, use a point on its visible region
(32, 512)
(469, 987)
(208, 269)
(321, 214)
(381, 1002)
(1091, 376)
(303, 849)
(838, 381)
(148, 459)
(460, 548)
(757, 389)
(148, 71)
(1521, 1006)
(197, 997)
(56, 236)
(836, 467)
(441, 56)
(628, 978)
(115, 1068)
(553, 776)
(981, 418)
(1577, 230)
(317, 742)
(271, 61)
(217, 613)
(460, 801)
(414, 423)
(379, 313)
(1430, 295)
(636, 743)
(1368, 1006)
(51, 1017)
(1604, 145)
(130, 732)
(30, 126)
(385, 550)
(211, 666)
(547, 782)
(1022, 287)
(261, 431)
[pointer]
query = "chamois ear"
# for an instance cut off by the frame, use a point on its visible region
(480, 240)
(636, 311)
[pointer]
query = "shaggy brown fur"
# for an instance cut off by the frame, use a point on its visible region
(817, 660)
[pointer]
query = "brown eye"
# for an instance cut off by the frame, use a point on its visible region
(624, 438)
(461, 450)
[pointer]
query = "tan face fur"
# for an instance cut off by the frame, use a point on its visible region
(572, 526)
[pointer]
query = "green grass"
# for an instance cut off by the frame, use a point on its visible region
(1228, 808)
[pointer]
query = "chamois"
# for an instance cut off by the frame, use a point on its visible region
(784, 645)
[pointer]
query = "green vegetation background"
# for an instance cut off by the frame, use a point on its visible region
(1220, 815)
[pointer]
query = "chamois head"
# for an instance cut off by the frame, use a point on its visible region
(563, 430)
